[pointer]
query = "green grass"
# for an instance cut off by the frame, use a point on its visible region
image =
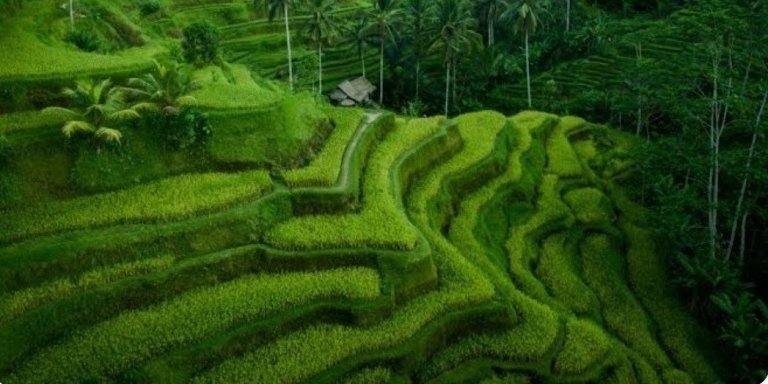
(34, 61)
(18, 123)
(173, 198)
(559, 271)
(324, 169)
(585, 345)
(370, 376)
(552, 215)
(562, 159)
(17, 303)
(281, 134)
(590, 206)
(380, 208)
(118, 343)
(232, 88)
(603, 272)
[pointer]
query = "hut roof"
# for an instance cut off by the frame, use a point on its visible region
(358, 89)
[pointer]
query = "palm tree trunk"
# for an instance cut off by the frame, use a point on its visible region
(381, 72)
(288, 42)
(528, 69)
(744, 182)
(567, 15)
(72, 14)
(362, 61)
(320, 71)
(490, 29)
(418, 74)
(447, 84)
(453, 81)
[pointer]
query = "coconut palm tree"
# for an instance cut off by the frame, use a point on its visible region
(491, 10)
(383, 15)
(525, 15)
(322, 26)
(417, 14)
(454, 32)
(274, 8)
(358, 36)
(166, 90)
(99, 105)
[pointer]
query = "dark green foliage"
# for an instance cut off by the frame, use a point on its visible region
(85, 39)
(9, 193)
(200, 43)
(187, 127)
(148, 7)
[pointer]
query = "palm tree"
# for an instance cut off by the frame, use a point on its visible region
(274, 8)
(454, 31)
(525, 14)
(491, 10)
(383, 15)
(166, 90)
(101, 105)
(417, 14)
(322, 26)
(358, 36)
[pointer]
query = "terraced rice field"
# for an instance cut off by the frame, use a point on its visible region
(483, 248)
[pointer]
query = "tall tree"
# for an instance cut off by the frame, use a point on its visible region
(321, 26)
(417, 13)
(525, 16)
(358, 36)
(274, 8)
(454, 30)
(383, 16)
(491, 11)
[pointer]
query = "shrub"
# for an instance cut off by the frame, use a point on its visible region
(148, 7)
(188, 127)
(85, 39)
(200, 43)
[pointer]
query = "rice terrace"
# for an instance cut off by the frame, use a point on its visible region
(383, 191)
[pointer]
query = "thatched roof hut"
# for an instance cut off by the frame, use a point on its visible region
(354, 92)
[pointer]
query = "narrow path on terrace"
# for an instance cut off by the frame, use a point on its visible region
(368, 120)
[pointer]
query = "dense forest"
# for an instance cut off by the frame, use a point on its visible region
(687, 79)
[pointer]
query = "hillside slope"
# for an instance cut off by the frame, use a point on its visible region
(307, 243)
(432, 253)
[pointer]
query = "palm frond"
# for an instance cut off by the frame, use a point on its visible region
(139, 83)
(109, 135)
(186, 101)
(73, 127)
(145, 107)
(60, 111)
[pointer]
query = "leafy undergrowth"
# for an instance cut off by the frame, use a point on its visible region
(478, 249)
